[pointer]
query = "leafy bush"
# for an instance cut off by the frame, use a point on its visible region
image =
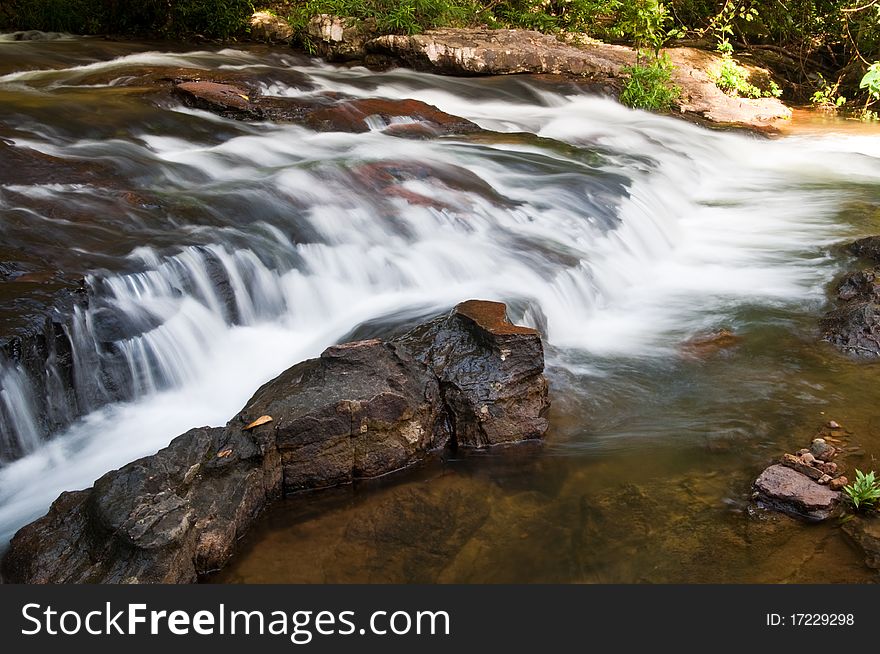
(733, 79)
(649, 86)
(210, 18)
(864, 492)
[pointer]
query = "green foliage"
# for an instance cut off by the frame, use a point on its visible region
(647, 22)
(733, 79)
(826, 96)
(721, 25)
(390, 16)
(215, 18)
(210, 18)
(871, 80)
(649, 86)
(864, 492)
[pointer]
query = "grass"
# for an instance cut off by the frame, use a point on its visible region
(649, 86)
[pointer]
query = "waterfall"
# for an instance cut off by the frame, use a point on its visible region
(618, 233)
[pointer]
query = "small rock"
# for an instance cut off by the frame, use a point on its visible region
(782, 489)
(803, 451)
(828, 467)
(793, 462)
(833, 425)
(822, 450)
(837, 484)
(808, 458)
(824, 479)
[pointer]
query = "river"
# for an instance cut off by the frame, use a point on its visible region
(217, 253)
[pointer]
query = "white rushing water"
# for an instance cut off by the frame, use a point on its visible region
(666, 232)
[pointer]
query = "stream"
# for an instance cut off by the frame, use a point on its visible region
(217, 253)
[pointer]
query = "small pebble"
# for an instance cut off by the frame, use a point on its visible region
(824, 479)
(837, 484)
(808, 458)
(833, 425)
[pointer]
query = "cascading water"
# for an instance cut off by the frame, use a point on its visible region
(619, 234)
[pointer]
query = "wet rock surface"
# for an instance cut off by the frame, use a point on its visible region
(360, 410)
(327, 113)
(853, 326)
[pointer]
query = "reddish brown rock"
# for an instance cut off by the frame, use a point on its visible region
(781, 488)
(352, 115)
(838, 483)
(704, 345)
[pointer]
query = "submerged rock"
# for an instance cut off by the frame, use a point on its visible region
(326, 113)
(784, 489)
(363, 409)
(864, 532)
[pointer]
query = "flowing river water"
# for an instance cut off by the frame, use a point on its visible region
(218, 253)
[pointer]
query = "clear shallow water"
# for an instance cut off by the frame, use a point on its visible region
(621, 235)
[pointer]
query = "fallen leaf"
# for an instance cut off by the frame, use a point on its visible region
(224, 453)
(262, 420)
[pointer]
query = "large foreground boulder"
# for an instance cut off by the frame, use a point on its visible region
(362, 409)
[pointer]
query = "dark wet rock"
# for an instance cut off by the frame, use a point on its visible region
(269, 28)
(352, 115)
(784, 489)
(383, 415)
(340, 39)
(861, 285)
(328, 113)
(864, 532)
(867, 248)
(494, 399)
(362, 409)
(853, 326)
(24, 165)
